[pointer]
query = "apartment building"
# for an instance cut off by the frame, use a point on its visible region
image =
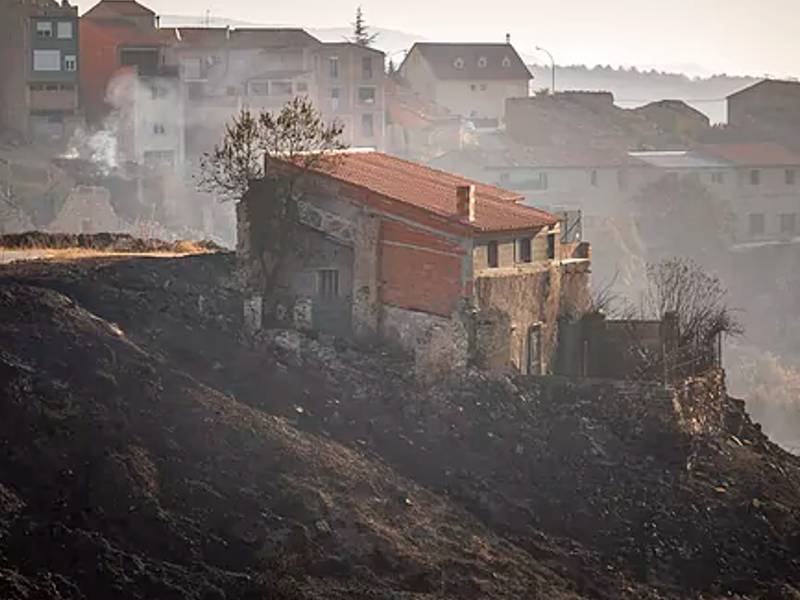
(40, 54)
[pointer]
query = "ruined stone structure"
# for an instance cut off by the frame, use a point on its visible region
(435, 264)
(88, 210)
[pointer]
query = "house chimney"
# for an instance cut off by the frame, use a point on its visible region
(465, 201)
(508, 38)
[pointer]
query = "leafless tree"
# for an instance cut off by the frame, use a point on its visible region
(274, 151)
(296, 134)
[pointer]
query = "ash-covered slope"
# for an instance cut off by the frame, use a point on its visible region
(308, 464)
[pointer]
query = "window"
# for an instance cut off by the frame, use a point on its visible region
(258, 88)
(333, 67)
(757, 224)
(524, 248)
(191, 68)
(593, 178)
(366, 95)
(44, 29)
(506, 62)
(458, 63)
(473, 87)
(483, 87)
(156, 91)
(366, 67)
(482, 62)
(335, 98)
(790, 176)
(280, 88)
(788, 223)
(46, 60)
(718, 177)
(302, 87)
(159, 129)
(64, 30)
(622, 179)
(755, 177)
(70, 62)
(367, 125)
(551, 245)
(328, 283)
(491, 255)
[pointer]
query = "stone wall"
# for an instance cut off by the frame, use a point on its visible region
(439, 345)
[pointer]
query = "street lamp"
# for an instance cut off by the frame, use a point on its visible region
(552, 68)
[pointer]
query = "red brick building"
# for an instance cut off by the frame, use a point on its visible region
(448, 268)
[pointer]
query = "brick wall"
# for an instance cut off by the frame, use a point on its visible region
(418, 270)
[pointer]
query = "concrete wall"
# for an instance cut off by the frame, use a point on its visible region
(483, 99)
(506, 250)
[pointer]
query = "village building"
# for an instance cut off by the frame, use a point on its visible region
(195, 79)
(676, 118)
(470, 80)
(442, 266)
(40, 57)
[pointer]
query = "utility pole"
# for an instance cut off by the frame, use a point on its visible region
(552, 69)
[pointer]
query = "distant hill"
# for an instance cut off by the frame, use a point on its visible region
(634, 87)
(631, 86)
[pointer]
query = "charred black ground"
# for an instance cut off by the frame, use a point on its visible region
(148, 451)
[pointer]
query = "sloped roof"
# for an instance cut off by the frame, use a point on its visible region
(434, 191)
(109, 8)
(268, 37)
(471, 61)
(674, 105)
(752, 154)
(793, 86)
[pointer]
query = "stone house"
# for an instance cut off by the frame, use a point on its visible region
(452, 270)
(676, 118)
(470, 80)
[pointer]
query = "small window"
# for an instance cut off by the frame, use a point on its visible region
(788, 223)
(258, 88)
(473, 87)
(157, 91)
(44, 29)
(593, 178)
(46, 60)
(367, 125)
(757, 224)
(718, 177)
(366, 95)
(159, 129)
(280, 88)
(755, 177)
(506, 62)
(328, 283)
(791, 176)
(70, 62)
(333, 67)
(335, 98)
(484, 87)
(302, 87)
(524, 250)
(551, 245)
(366, 67)
(458, 63)
(482, 62)
(492, 259)
(64, 30)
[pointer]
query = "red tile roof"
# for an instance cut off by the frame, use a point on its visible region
(434, 191)
(128, 8)
(759, 154)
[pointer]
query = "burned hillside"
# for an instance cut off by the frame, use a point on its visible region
(149, 450)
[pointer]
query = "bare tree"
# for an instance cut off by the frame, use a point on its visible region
(698, 300)
(273, 151)
(296, 134)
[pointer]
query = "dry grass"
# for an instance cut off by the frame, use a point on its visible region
(70, 254)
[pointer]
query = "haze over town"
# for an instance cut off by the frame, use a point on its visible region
(315, 300)
(696, 37)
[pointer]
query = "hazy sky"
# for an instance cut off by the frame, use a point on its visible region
(736, 36)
